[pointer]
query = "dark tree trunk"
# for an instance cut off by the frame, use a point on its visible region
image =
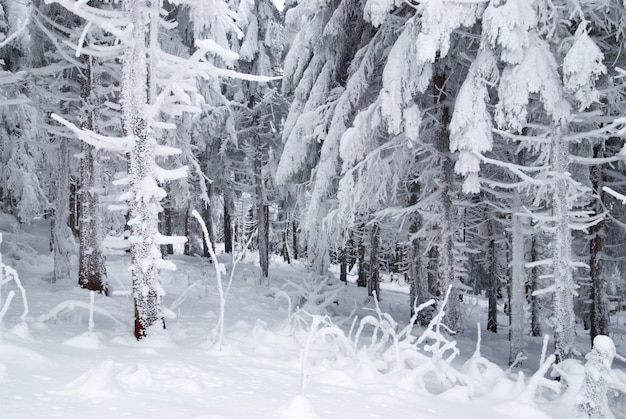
(294, 237)
(343, 264)
(373, 277)
(446, 245)
(492, 286)
(599, 311)
(535, 308)
(228, 229)
(418, 280)
(187, 246)
(207, 216)
(286, 256)
(352, 253)
(166, 219)
(363, 268)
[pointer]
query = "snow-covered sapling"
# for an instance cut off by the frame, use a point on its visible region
(218, 332)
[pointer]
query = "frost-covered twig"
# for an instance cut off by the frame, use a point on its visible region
(220, 269)
(182, 296)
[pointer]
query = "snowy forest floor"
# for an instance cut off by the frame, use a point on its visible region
(50, 366)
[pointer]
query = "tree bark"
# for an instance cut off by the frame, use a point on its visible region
(144, 206)
(446, 273)
(228, 232)
(563, 295)
(373, 277)
(363, 268)
(492, 285)
(518, 283)
(262, 209)
(62, 237)
(599, 311)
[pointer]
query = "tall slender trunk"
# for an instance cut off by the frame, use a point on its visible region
(343, 264)
(262, 209)
(166, 221)
(363, 268)
(599, 311)
(518, 283)
(62, 237)
(418, 280)
(228, 229)
(535, 306)
(294, 237)
(92, 273)
(447, 226)
(563, 295)
(207, 216)
(492, 285)
(373, 277)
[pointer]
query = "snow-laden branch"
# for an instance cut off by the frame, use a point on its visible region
(120, 144)
(17, 32)
(615, 194)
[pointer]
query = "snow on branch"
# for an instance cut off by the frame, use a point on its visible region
(120, 144)
(615, 194)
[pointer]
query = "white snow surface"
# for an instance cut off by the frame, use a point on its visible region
(51, 366)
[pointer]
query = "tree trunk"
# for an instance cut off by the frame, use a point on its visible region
(142, 203)
(447, 277)
(492, 285)
(563, 295)
(599, 311)
(207, 216)
(535, 307)
(262, 209)
(187, 245)
(62, 237)
(517, 295)
(343, 265)
(294, 237)
(166, 219)
(228, 229)
(91, 262)
(92, 274)
(363, 268)
(373, 277)
(418, 280)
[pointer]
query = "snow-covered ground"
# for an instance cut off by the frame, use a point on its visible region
(273, 363)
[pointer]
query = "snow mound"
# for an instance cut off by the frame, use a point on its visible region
(298, 407)
(84, 341)
(97, 383)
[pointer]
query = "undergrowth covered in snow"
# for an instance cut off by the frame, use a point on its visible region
(302, 346)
